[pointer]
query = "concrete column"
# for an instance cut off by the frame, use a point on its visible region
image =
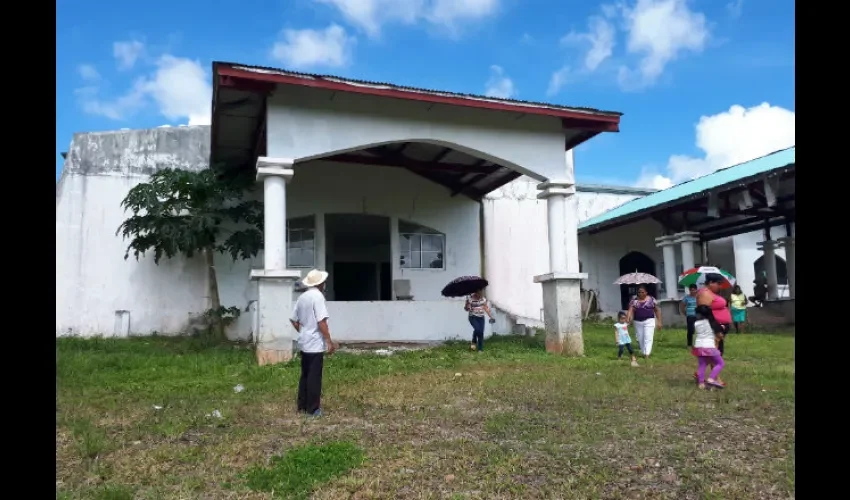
(768, 247)
(688, 240)
(556, 212)
(561, 286)
(668, 253)
(275, 335)
(789, 243)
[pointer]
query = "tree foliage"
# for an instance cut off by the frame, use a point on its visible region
(179, 212)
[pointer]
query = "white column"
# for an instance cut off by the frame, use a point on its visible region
(768, 247)
(274, 333)
(556, 211)
(668, 254)
(561, 286)
(274, 223)
(687, 240)
(788, 243)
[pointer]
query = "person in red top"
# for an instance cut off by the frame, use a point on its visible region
(709, 296)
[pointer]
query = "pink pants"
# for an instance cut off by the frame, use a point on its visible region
(704, 361)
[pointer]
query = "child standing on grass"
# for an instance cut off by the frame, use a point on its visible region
(477, 307)
(624, 340)
(706, 340)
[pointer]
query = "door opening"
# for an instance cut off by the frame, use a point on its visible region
(358, 257)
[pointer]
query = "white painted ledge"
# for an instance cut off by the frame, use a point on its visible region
(292, 274)
(556, 276)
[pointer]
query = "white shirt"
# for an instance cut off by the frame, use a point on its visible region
(309, 310)
(704, 334)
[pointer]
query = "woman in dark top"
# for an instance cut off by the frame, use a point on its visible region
(646, 314)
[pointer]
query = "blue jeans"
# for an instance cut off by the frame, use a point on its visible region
(477, 323)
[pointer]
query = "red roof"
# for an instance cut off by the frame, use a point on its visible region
(574, 117)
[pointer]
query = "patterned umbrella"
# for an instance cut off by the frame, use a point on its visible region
(463, 286)
(637, 278)
(696, 276)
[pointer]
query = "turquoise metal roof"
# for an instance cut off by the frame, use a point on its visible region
(700, 185)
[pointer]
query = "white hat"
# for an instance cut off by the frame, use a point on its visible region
(314, 278)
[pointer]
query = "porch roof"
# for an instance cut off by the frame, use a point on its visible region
(685, 206)
(240, 95)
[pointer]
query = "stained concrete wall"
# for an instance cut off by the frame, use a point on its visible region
(93, 281)
(517, 248)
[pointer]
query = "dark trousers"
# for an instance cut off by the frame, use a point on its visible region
(626, 346)
(477, 323)
(310, 384)
(691, 320)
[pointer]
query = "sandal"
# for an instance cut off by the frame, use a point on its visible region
(716, 384)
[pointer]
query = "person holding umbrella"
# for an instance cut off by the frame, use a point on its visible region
(476, 305)
(646, 314)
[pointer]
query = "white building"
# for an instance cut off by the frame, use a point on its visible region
(395, 191)
(381, 185)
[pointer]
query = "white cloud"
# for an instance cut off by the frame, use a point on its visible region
(371, 15)
(88, 72)
(499, 85)
(735, 8)
(600, 39)
(729, 138)
(330, 47)
(659, 31)
(558, 80)
(127, 53)
(179, 87)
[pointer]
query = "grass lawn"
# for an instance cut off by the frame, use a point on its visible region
(158, 418)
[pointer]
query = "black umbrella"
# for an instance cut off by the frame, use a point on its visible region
(463, 286)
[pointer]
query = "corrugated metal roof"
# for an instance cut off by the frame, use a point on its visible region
(716, 179)
(384, 85)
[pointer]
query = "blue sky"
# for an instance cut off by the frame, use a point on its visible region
(702, 84)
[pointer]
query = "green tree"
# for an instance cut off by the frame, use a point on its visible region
(183, 213)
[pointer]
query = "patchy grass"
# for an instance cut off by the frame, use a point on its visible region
(158, 418)
(295, 473)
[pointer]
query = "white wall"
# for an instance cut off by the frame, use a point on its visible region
(516, 239)
(305, 123)
(93, 280)
(400, 321)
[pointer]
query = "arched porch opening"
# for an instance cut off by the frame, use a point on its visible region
(781, 270)
(459, 169)
(636, 262)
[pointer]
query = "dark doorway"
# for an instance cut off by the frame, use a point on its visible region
(781, 270)
(355, 281)
(635, 262)
(358, 255)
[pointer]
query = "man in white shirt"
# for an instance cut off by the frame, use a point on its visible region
(310, 320)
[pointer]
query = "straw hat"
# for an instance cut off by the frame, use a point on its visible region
(314, 278)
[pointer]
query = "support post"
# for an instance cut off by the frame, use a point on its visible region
(562, 285)
(687, 240)
(768, 247)
(789, 243)
(275, 335)
(668, 254)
